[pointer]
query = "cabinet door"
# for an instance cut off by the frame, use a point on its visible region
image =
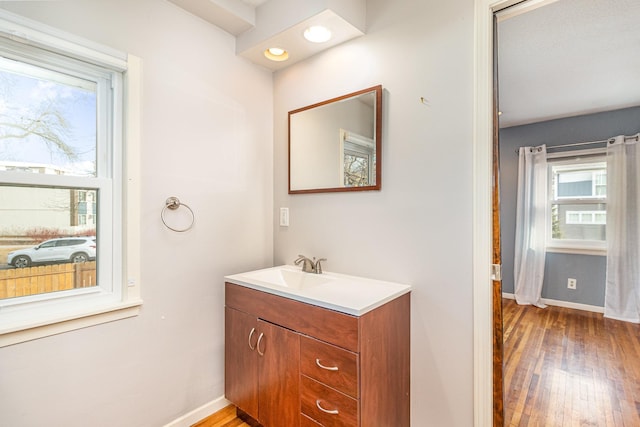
(279, 378)
(241, 361)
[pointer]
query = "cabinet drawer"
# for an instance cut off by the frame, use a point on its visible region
(328, 325)
(327, 406)
(331, 365)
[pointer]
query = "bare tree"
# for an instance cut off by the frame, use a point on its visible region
(44, 121)
(47, 124)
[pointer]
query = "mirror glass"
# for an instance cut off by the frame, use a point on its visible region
(335, 145)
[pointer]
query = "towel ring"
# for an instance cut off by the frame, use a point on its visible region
(173, 203)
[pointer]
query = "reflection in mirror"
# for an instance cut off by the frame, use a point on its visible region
(335, 145)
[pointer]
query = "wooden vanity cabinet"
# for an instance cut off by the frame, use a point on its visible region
(292, 364)
(262, 368)
(241, 362)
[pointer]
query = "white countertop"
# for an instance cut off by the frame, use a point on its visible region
(347, 294)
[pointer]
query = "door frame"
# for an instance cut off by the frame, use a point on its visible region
(483, 213)
(483, 154)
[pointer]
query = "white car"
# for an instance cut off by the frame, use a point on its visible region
(66, 249)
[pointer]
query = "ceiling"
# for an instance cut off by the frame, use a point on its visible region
(555, 58)
(568, 58)
(262, 24)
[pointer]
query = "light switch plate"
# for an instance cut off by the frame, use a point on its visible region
(284, 217)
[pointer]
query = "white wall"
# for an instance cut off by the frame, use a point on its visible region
(210, 128)
(417, 230)
(207, 139)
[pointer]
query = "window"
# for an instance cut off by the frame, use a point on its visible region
(586, 217)
(63, 182)
(358, 159)
(577, 203)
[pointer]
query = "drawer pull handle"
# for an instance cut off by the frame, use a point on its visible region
(328, 411)
(252, 347)
(261, 353)
(328, 368)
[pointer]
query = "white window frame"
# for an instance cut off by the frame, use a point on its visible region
(118, 295)
(585, 247)
(582, 215)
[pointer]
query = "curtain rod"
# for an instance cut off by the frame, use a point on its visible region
(576, 144)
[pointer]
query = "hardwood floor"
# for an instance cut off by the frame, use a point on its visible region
(565, 367)
(223, 418)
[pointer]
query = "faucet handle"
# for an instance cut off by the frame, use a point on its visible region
(318, 266)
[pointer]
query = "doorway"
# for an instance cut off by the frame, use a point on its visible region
(520, 10)
(483, 290)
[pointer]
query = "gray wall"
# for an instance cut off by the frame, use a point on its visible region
(589, 270)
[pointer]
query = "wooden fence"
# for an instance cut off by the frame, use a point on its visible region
(19, 282)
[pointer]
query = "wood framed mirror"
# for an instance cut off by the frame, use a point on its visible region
(336, 145)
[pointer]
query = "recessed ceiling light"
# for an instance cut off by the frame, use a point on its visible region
(276, 51)
(276, 54)
(317, 34)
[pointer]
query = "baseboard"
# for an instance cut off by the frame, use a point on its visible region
(200, 413)
(566, 304)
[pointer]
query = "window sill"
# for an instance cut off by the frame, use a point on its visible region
(577, 251)
(20, 329)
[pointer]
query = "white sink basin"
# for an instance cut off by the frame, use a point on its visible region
(348, 294)
(287, 277)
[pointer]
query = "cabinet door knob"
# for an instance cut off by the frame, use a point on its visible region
(261, 353)
(252, 347)
(328, 368)
(328, 411)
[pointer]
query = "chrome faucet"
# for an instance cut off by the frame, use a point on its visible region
(310, 266)
(307, 265)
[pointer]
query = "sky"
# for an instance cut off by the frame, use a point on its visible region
(26, 92)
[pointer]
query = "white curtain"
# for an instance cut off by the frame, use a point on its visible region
(622, 292)
(531, 225)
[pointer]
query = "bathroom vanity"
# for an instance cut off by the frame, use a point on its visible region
(305, 349)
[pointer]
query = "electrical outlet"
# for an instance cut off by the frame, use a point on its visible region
(571, 283)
